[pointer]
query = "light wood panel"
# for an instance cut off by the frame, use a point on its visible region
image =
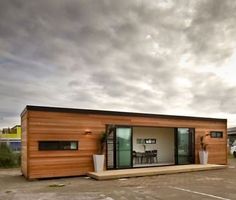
(152, 171)
(43, 125)
(24, 146)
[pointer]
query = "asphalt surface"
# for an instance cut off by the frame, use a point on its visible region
(215, 184)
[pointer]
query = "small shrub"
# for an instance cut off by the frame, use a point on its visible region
(7, 157)
(18, 159)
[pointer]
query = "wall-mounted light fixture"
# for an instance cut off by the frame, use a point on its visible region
(87, 132)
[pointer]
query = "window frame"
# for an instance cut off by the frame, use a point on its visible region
(59, 145)
(217, 134)
(150, 141)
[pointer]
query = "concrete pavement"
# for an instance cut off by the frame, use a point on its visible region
(215, 184)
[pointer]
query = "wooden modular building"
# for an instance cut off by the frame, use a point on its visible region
(59, 142)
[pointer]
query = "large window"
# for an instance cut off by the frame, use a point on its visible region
(58, 145)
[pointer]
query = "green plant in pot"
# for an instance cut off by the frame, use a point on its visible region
(98, 159)
(103, 140)
(203, 153)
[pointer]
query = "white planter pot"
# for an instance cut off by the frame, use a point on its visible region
(203, 157)
(98, 161)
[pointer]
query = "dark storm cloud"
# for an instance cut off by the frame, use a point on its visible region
(228, 102)
(211, 94)
(212, 32)
(120, 55)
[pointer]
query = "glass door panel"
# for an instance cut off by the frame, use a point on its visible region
(123, 147)
(184, 143)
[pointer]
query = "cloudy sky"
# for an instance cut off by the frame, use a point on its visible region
(165, 57)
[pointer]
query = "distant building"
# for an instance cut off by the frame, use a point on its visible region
(12, 137)
(231, 135)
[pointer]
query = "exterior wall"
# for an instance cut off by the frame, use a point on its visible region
(12, 138)
(165, 142)
(24, 144)
(14, 145)
(217, 147)
(231, 135)
(16, 135)
(44, 125)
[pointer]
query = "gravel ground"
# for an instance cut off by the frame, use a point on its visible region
(215, 184)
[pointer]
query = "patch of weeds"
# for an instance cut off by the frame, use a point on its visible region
(230, 156)
(56, 185)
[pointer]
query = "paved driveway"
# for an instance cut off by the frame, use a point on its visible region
(215, 184)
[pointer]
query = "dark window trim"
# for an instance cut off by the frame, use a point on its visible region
(191, 146)
(216, 134)
(115, 164)
(58, 141)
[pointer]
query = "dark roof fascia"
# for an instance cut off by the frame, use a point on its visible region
(114, 113)
(232, 129)
(233, 133)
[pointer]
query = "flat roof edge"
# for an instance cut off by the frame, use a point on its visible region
(109, 112)
(24, 111)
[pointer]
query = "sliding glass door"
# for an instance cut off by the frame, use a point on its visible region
(123, 147)
(184, 146)
(119, 148)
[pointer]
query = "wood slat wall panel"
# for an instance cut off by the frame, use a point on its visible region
(175, 123)
(63, 130)
(44, 125)
(63, 154)
(217, 147)
(24, 145)
(51, 173)
(66, 161)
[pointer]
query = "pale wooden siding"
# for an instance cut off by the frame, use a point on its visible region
(24, 145)
(44, 125)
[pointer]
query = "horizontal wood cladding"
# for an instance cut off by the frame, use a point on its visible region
(43, 125)
(216, 147)
(61, 172)
(72, 119)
